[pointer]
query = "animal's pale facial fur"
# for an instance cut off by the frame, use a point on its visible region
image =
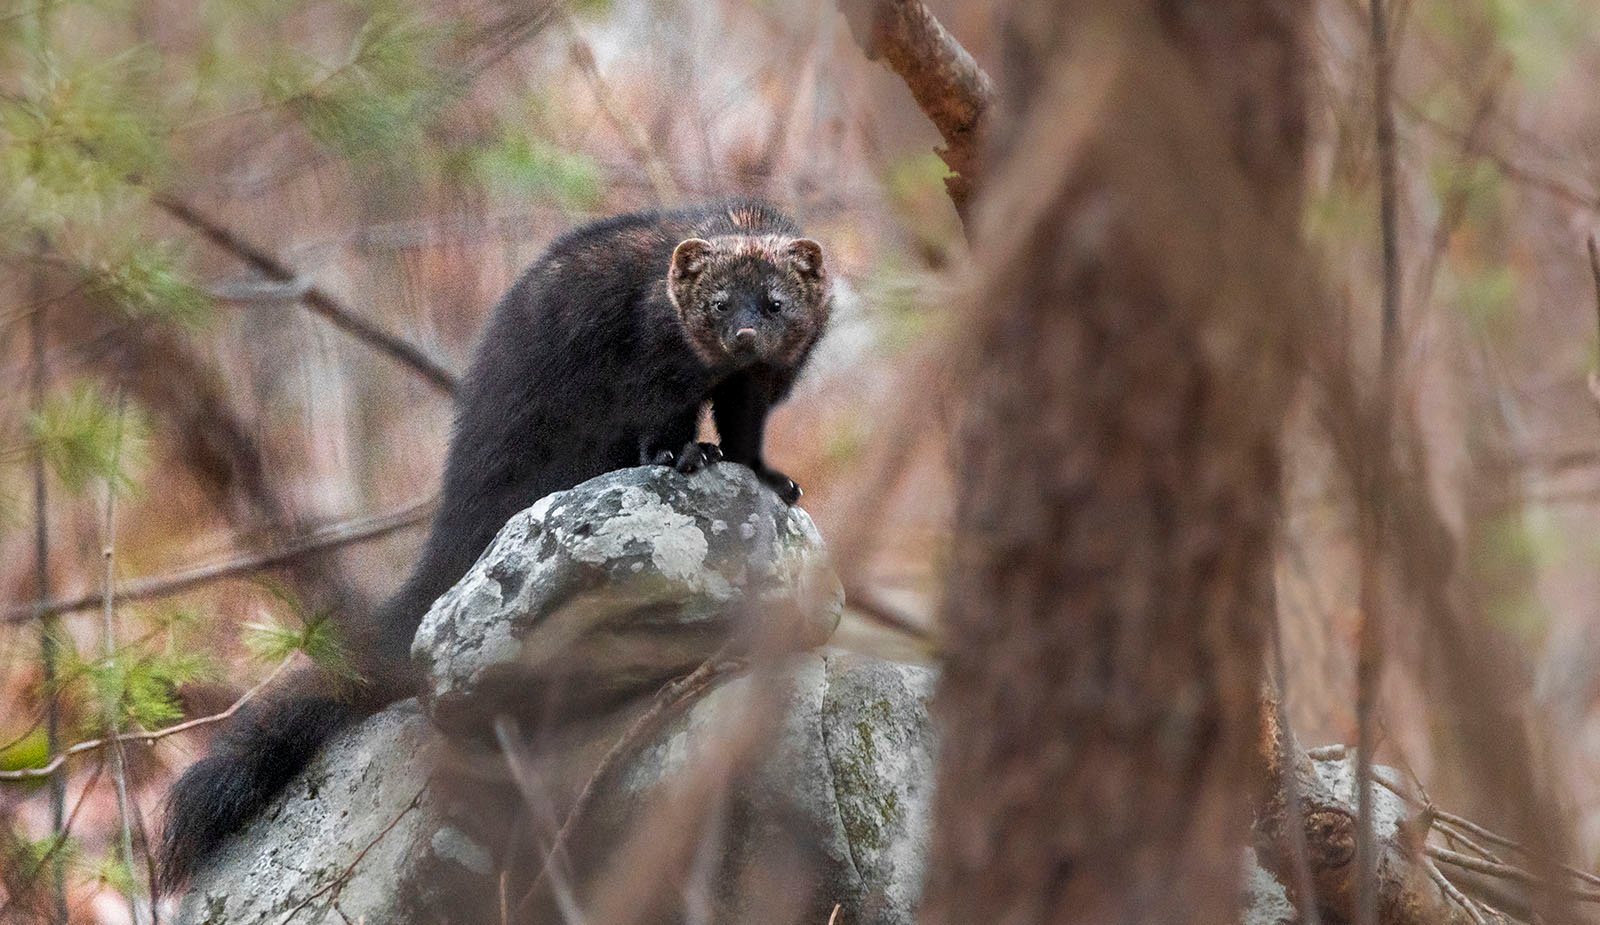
(747, 300)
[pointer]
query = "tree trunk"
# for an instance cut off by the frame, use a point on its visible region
(1117, 455)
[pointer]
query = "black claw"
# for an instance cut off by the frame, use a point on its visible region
(786, 488)
(696, 456)
(790, 493)
(664, 458)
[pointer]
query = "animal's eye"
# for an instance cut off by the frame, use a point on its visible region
(774, 305)
(719, 304)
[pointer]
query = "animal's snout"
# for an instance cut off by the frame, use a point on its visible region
(744, 337)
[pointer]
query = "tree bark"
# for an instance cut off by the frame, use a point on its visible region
(1117, 455)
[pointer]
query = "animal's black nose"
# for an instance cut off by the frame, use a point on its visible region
(745, 337)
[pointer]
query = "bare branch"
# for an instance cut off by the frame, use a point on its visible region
(870, 604)
(1508, 872)
(1455, 895)
(148, 737)
(666, 189)
(953, 92)
(49, 643)
(108, 643)
(324, 539)
(316, 298)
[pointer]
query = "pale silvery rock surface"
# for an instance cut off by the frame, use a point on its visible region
(619, 584)
(298, 861)
(1266, 902)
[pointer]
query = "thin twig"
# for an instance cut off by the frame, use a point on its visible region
(1444, 819)
(536, 796)
(323, 539)
(871, 605)
(49, 628)
(1369, 659)
(633, 134)
(1289, 781)
(58, 839)
(1449, 889)
(316, 298)
(834, 915)
(149, 737)
(108, 646)
(344, 876)
(667, 698)
(1513, 170)
(1457, 835)
(1508, 872)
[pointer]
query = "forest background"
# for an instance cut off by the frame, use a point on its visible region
(248, 244)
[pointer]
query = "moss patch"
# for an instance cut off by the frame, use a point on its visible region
(868, 811)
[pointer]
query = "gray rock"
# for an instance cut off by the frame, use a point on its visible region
(358, 833)
(617, 585)
(600, 594)
(1266, 902)
(834, 812)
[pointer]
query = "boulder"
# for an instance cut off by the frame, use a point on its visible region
(610, 589)
(539, 660)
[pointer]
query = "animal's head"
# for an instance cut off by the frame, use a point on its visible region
(748, 299)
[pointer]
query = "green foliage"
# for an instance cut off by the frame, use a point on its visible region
(916, 189)
(148, 281)
(517, 165)
(133, 686)
(901, 299)
(373, 102)
(1540, 34)
(115, 872)
(315, 636)
(845, 443)
(84, 440)
(30, 751)
(172, 622)
(72, 139)
(1340, 213)
(1504, 552)
(917, 176)
(35, 852)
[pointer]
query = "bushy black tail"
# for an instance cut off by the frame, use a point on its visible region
(264, 746)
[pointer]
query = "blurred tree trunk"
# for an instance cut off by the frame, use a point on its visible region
(1128, 370)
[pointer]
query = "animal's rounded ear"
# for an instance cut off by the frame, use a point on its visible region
(689, 258)
(805, 255)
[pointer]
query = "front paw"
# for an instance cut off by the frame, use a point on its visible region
(787, 490)
(692, 458)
